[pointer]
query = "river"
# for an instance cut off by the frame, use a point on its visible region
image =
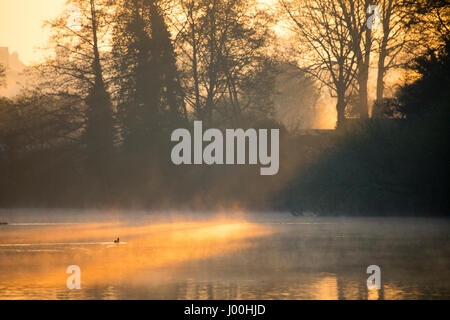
(166, 255)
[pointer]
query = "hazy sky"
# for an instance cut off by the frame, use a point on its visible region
(21, 25)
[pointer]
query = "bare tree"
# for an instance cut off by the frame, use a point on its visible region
(394, 39)
(326, 47)
(220, 45)
(408, 28)
(78, 70)
(356, 13)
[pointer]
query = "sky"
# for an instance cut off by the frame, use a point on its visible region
(21, 26)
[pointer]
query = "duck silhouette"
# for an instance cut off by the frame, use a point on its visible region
(117, 240)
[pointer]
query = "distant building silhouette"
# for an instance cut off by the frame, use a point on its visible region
(14, 68)
(4, 56)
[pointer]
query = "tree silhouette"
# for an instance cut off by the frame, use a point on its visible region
(78, 70)
(327, 47)
(355, 14)
(220, 44)
(430, 21)
(150, 97)
(394, 40)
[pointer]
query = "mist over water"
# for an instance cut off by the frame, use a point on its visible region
(226, 255)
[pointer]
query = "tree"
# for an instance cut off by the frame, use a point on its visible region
(33, 121)
(326, 47)
(39, 148)
(78, 70)
(150, 97)
(356, 14)
(429, 20)
(431, 91)
(220, 44)
(410, 28)
(396, 40)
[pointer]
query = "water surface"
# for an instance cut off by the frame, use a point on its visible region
(234, 256)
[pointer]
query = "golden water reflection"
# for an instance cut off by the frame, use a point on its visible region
(40, 257)
(215, 259)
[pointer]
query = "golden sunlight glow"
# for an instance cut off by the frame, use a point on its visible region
(326, 288)
(21, 24)
(143, 249)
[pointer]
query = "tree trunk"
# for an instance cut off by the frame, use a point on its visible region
(99, 129)
(380, 76)
(340, 108)
(363, 104)
(387, 12)
(363, 78)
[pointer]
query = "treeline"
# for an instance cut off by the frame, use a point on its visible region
(93, 126)
(396, 164)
